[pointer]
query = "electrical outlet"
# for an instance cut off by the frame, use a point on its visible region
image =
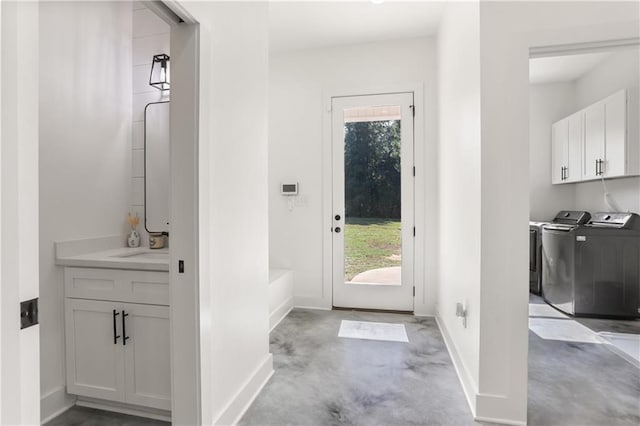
(461, 311)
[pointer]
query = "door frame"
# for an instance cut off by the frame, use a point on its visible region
(184, 204)
(326, 222)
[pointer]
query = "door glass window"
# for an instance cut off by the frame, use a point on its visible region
(372, 191)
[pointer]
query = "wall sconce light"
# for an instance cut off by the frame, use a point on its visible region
(159, 77)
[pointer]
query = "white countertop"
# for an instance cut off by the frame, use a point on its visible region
(101, 253)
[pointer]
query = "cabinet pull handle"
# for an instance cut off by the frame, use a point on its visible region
(115, 332)
(124, 328)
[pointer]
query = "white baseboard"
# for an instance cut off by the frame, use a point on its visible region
(118, 407)
(318, 303)
(468, 385)
(499, 421)
(493, 408)
(55, 403)
(242, 400)
(280, 313)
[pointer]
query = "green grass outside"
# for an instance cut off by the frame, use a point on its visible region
(371, 243)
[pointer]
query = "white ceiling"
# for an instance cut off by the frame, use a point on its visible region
(558, 69)
(308, 25)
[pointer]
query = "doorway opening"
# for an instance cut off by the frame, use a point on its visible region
(583, 132)
(114, 335)
(372, 201)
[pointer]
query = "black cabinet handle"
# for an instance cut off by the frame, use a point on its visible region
(115, 332)
(599, 163)
(124, 328)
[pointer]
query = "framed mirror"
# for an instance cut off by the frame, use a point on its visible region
(156, 167)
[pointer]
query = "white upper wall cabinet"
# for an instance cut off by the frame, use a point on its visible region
(566, 149)
(573, 172)
(595, 142)
(616, 161)
(559, 150)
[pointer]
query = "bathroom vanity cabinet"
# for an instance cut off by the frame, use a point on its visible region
(117, 335)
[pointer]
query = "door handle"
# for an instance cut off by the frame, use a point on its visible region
(124, 329)
(115, 332)
(337, 229)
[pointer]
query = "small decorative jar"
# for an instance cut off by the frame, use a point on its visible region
(133, 239)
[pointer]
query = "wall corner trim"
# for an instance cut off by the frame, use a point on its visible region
(468, 385)
(243, 399)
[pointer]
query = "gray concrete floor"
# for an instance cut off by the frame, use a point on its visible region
(321, 379)
(582, 384)
(83, 416)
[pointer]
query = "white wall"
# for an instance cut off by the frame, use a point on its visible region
(548, 103)
(20, 369)
(507, 31)
(85, 150)
(298, 83)
(150, 37)
(619, 71)
(233, 247)
(459, 182)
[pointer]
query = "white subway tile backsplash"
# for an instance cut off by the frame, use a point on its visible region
(141, 100)
(137, 191)
(145, 47)
(137, 135)
(151, 36)
(137, 166)
(140, 79)
(146, 23)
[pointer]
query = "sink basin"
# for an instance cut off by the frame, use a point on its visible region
(146, 255)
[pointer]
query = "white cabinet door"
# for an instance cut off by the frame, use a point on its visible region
(573, 172)
(95, 360)
(559, 150)
(147, 356)
(615, 107)
(593, 141)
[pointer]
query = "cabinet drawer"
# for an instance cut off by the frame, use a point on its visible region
(117, 285)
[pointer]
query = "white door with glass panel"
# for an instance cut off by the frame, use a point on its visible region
(372, 200)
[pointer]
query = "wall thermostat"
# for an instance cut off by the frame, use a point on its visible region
(289, 188)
